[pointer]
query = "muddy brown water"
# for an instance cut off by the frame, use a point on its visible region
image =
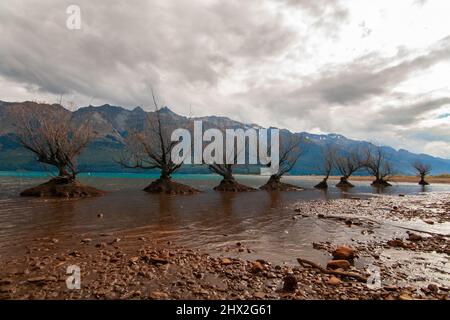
(212, 221)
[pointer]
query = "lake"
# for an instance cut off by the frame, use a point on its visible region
(209, 220)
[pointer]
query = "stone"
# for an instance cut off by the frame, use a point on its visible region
(41, 280)
(5, 281)
(414, 237)
(134, 260)
(259, 295)
(405, 296)
(256, 267)
(101, 245)
(390, 288)
(433, 288)
(226, 261)
(157, 295)
(338, 264)
(7, 289)
(397, 243)
(290, 283)
(344, 253)
(334, 281)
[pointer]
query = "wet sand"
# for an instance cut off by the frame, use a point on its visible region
(130, 264)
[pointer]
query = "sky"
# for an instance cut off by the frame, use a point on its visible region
(372, 70)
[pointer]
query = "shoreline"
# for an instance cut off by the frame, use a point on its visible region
(128, 265)
(439, 179)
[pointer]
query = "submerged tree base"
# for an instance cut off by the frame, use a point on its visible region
(423, 183)
(322, 185)
(166, 185)
(381, 183)
(344, 183)
(62, 187)
(231, 185)
(276, 185)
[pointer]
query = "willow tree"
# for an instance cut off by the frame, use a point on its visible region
(347, 164)
(328, 156)
(226, 158)
(151, 149)
(289, 152)
(52, 134)
(379, 166)
(423, 170)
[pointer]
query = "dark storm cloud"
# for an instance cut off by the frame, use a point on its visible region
(409, 114)
(146, 42)
(244, 59)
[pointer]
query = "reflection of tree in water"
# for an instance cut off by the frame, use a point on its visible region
(326, 194)
(166, 213)
(378, 189)
(274, 199)
(227, 200)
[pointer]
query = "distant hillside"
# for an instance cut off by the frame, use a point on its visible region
(113, 123)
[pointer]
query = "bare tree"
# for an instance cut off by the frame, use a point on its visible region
(423, 170)
(57, 139)
(347, 164)
(378, 165)
(225, 169)
(54, 137)
(329, 158)
(290, 152)
(151, 148)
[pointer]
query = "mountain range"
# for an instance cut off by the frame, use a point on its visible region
(113, 123)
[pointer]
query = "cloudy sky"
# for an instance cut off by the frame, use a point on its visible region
(374, 70)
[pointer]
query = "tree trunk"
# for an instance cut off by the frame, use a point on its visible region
(422, 181)
(63, 171)
(322, 185)
(343, 183)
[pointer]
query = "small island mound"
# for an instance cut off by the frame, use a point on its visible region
(274, 184)
(167, 186)
(62, 187)
(231, 185)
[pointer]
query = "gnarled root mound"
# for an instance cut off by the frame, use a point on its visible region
(277, 185)
(231, 185)
(344, 183)
(381, 183)
(322, 185)
(166, 185)
(62, 187)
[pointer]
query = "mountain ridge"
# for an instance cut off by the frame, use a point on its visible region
(113, 123)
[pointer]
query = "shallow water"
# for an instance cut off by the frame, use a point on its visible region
(259, 220)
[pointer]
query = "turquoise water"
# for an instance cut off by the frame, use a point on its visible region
(127, 175)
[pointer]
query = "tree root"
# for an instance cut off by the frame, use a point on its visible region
(356, 276)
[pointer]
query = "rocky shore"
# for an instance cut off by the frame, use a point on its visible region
(127, 265)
